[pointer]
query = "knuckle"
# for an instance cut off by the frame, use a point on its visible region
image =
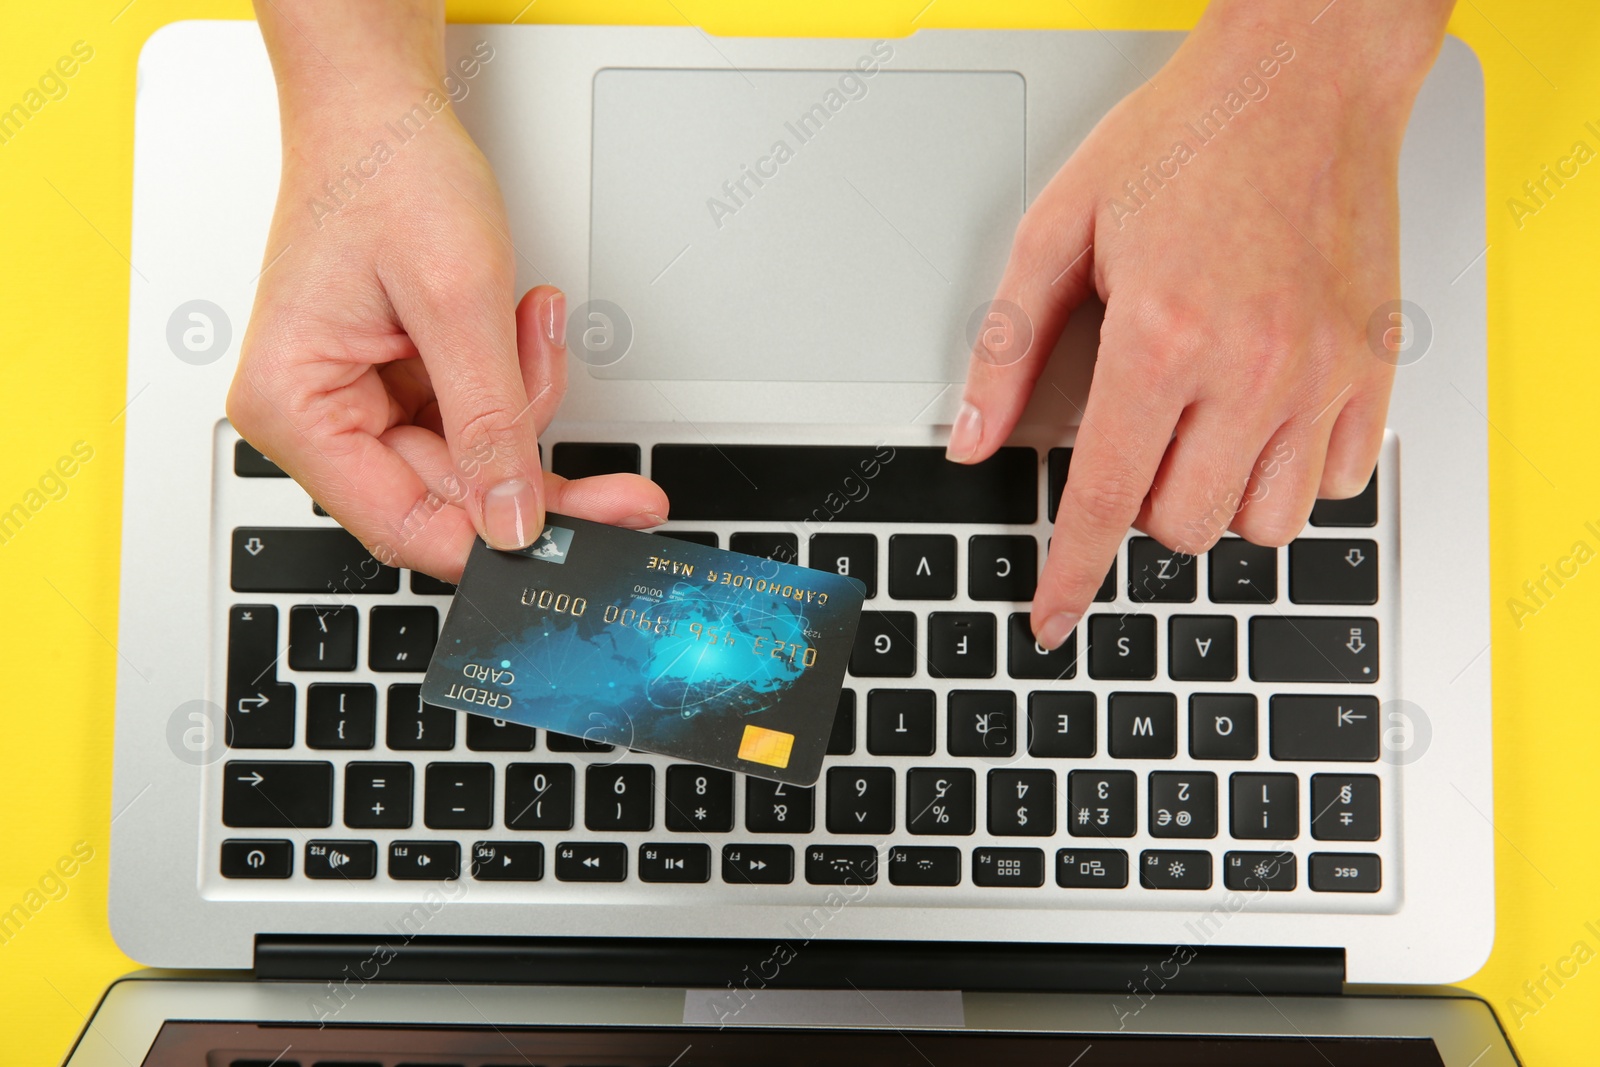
(1272, 529)
(489, 434)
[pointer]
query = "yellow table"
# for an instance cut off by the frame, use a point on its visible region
(64, 235)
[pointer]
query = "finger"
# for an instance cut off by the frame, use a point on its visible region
(465, 328)
(1356, 440)
(1202, 481)
(1127, 426)
(1048, 274)
(542, 352)
(1283, 483)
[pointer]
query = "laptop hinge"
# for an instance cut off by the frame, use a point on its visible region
(717, 963)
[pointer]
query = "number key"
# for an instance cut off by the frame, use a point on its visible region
(776, 808)
(861, 800)
(940, 801)
(619, 797)
(1102, 803)
(699, 799)
(1022, 803)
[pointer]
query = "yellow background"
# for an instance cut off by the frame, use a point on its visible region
(65, 191)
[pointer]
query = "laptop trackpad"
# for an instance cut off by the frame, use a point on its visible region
(802, 225)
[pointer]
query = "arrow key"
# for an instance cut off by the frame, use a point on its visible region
(675, 862)
(507, 861)
(591, 861)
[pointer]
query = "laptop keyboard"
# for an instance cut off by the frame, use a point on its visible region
(1213, 724)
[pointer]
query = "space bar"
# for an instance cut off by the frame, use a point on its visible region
(845, 483)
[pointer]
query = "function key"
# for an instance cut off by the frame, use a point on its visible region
(322, 638)
(1122, 647)
(1273, 872)
(1265, 807)
(1243, 573)
(1022, 804)
(377, 796)
(1343, 729)
(1021, 868)
(428, 585)
(1157, 574)
(1222, 726)
(1103, 803)
(585, 459)
(1328, 571)
(842, 739)
(1183, 804)
(1062, 725)
(861, 800)
(1346, 872)
(424, 861)
(507, 861)
(961, 644)
(1359, 510)
(341, 715)
(924, 865)
(1344, 807)
(886, 645)
(1026, 659)
(1203, 648)
(1175, 870)
(591, 861)
(842, 865)
(1092, 868)
(619, 797)
(540, 796)
(350, 860)
(402, 638)
(260, 709)
(417, 727)
(778, 808)
(757, 864)
(981, 722)
(1307, 649)
(699, 799)
(1002, 567)
(250, 462)
(458, 796)
(311, 559)
(674, 861)
(295, 794)
(900, 722)
(694, 537)
(782, 547)
(1143, 725)
(941, 801)
(242, 858)
(486, 734)
(852, 555)
(922, 567)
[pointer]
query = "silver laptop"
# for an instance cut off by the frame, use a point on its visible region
(1131, 858)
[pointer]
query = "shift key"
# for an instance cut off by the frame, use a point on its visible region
(312, 559)
(1302, 648)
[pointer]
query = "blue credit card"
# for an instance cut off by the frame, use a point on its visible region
(653, 644)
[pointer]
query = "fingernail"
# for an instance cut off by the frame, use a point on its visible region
(1055, 629)
(643, 519)
(508, 513)
(555, 319)
(964, 434)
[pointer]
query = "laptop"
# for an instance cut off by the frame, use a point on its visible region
(1274, 854)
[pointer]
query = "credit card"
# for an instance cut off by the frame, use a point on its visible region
(651, 643)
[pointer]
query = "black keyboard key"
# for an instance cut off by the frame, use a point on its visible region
(402, 638)
(1122, 647)
(619, 797)
(1265, 807)
(842, 739)
(1335, 728)
(941, 801)
(413, 726)
(1203, 648)
(886, 645)
(675, 861)
(1243, 573)
(1222, 726)
(1103, 803)
(322, 638)
(567, 743)
(1021, 868)
(757, 864)
(1062, 725)
(341, 715)
(242, 858)
(585, 459)
(924, 865)
(842, 865)
(1306, 649)
(428, 585)
(900, 722)
(350, 860)
(377, 796)
(591, 861)
(922, 567)
(1183, 804)
(1058, 462)
(1022, 803)
(1002, 567)
(249, 462)
(1175, 870)
(961, 644)
(1092, 868)
(485, 734)
(310, 559)
(789, 483)
(458, 796)
(699, 799)
(1359, 510)
(981, 722)
(540, 796)
(507, 861)
(1326, 571)
(424, 861)
(1026, 659)
(1346, 872)
(860, 800)
(1345, 807)
(1143, 725)
(1108, 586)
(1158, 575)
(260, 709)
(853, 555)
(296, 794)
(694, 537)
(1272, 872)
(783, 547)
(776, 808)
